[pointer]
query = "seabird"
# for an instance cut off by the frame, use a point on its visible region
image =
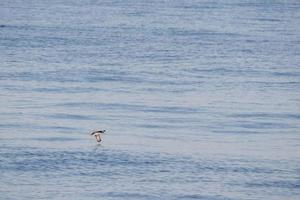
(97, 135)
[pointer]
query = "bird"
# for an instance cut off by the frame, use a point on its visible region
(97, 135)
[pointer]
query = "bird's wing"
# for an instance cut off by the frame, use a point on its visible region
(94, 132)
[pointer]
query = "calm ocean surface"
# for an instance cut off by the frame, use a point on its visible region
(200, 99)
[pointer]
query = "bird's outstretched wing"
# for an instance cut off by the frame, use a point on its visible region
(95, 132)
(102, 131)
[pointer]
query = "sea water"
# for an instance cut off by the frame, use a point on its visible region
(200, 99)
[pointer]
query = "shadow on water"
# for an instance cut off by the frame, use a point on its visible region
(98, 147)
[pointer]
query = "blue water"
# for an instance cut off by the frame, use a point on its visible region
(200, 99)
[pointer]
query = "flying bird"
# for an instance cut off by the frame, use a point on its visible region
(97, 135)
